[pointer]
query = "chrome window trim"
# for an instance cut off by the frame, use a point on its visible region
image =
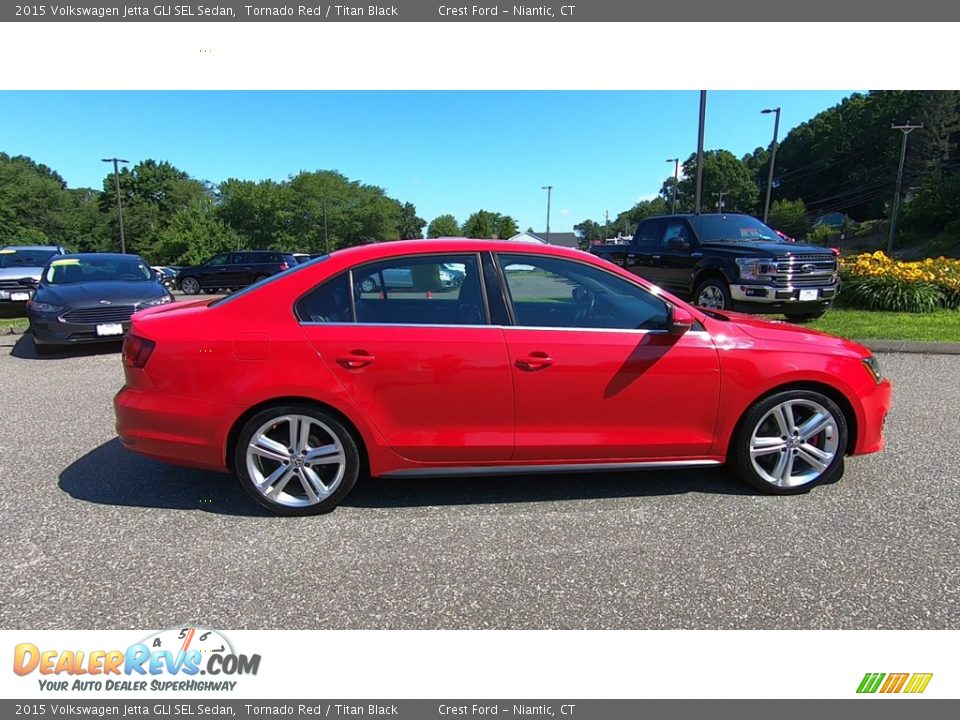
(635, 331)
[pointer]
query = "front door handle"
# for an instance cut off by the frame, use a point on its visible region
(355, 360)
(534, 361)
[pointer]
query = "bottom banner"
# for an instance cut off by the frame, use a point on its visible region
(427, 709)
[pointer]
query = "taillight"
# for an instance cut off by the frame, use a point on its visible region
(136, 351)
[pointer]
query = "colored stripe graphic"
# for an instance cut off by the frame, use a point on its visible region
(918, 683)
(894, 683)
(870, 682)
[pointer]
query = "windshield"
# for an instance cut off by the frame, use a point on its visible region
(97, 269)
(25, 258)
(711, 228)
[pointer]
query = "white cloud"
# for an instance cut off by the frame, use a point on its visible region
(565, 211)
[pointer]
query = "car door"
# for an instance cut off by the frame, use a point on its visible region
(420, 360)
(596, 375)
(676, 256)
(642, 249)
(214, 272)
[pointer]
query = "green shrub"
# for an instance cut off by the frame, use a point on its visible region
(892, 294)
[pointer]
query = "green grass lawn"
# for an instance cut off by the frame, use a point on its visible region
(940, 326)
(20, 322)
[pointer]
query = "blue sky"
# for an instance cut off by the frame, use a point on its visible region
(444, 151)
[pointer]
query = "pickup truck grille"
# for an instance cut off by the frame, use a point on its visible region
(803, 270)
(16, 284)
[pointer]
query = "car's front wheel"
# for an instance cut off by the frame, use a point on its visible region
(296, 460)
(790, 442)
(714, 294)
(190, 286)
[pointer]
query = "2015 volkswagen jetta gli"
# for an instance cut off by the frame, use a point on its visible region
(540, 359)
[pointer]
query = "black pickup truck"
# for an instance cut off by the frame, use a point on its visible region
(730, 262)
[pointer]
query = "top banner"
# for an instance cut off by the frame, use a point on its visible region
(458, 11)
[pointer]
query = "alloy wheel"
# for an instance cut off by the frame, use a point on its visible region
(794, 443)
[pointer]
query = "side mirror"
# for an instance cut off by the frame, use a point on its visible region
(681, 320)
(678, 244)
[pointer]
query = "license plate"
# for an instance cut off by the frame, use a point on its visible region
(110, 329)
(19, 296)
(808, 295)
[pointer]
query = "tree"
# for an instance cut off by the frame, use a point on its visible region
(194, 235)
(443, 226)
(482, 224)
(790, 217)
(506, 227)
(411, 226)
(588, 231)
(33, 200)
(258, 211)
(627, 221)
(722, 173)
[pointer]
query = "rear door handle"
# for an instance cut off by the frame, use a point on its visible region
(355, 360)
(534, 361)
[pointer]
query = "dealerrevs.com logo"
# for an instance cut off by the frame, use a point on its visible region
(168, 660)
(910, 683)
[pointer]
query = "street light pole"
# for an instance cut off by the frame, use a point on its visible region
(906, 129)
(676, 181)
(116, 183)
(719, 197)
(549, 189)
(703, 120)
(773, 159)
(326, 235)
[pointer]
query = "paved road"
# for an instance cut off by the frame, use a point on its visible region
(99, 538)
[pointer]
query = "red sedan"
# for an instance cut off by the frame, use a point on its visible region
(538, 358)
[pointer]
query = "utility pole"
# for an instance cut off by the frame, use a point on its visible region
(773, 159)
(326, 234)
(906, 129)
(606, 225)
(116, 184)
(549, 189)
(676, 181)
(703, 120)
(719, 197)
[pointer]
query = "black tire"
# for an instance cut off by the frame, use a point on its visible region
(297, 502)
(717, 290)
(367, 285)
(189, 285)
(760, 418)
(209, 291)
(804, 317)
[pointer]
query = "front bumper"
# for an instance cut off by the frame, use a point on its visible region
(16, 294)
(50, 330)
(875, 404)
(772, 298)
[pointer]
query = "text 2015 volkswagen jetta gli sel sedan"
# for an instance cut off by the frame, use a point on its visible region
(541, 359)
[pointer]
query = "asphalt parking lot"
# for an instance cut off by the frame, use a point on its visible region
(98, 537)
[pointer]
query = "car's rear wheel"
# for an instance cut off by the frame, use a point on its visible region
(790, 442)
(714, 294)
(190, 286)
(296, 460)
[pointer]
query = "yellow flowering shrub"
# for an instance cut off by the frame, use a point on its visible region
(876, 281)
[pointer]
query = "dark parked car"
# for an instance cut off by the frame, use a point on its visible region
(20, 268)
(234, 270)
(90, 297)
(167, 275)
(730, 262)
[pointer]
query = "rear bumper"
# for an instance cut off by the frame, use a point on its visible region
(179, 430)
(875, 404)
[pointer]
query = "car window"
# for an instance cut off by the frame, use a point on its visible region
(675, 229)
(648, 232)
(560, 293)
(425, 290)
(328, 303)
(218, 260)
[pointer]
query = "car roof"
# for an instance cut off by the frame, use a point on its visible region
(51, 248)
(111, 256)
(392, 248)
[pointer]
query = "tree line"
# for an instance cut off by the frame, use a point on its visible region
(170, 217)
(843, 160)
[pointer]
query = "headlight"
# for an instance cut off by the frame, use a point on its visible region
(873, 366)
(44, 307)
(162, 300)
(752, 268)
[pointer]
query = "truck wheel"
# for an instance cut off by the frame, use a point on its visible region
(713, 294)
